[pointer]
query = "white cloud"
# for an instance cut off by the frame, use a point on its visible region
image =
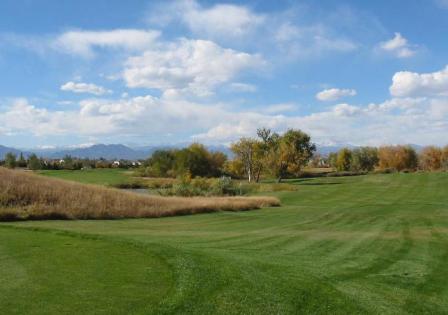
(242, 87)
(193, 66)
(80, 87)
(83, 42)
(394, 121)
(215, 22)
(310, 41)
(221, 20)
(399, 46)
(346, 110)
(406, 83)
(334, 94)
(21, 116)
(282, 32)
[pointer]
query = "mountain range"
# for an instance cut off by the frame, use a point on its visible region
(96, 151)
(120, 151)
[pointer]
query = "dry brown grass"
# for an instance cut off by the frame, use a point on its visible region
(25, 196)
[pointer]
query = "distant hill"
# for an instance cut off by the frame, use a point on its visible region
(107, 151)
(120, 151)
(5, 150)
(325, 150)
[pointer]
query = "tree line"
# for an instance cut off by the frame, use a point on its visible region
(33, 162)
(268, 154)
(394, 158)
(195, 160)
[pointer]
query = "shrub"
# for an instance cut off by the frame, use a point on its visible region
(364, 159)
(398, 158)
(10, 160)
(200, 186)
(344, 160)
(431, 159)
(224, 186)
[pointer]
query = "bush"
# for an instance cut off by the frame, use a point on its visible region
(200, 186)
(160, 183)
(398, 158)
(345, 173)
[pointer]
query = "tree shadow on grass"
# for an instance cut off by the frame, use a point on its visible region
(298, 180)
(310, 182)
(320, 184)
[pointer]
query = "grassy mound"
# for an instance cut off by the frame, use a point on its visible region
(27, 196)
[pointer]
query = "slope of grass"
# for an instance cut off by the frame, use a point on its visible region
(375, 244)
(27, 196)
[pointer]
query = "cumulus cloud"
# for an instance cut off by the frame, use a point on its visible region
(394, 121)
(21, 116)
(398, 46)
(83, 42)
(80, 87)
(193, 66)
(214, 22)
(334, 94)
(406, 83)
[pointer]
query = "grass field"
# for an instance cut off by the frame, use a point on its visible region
(106, 176)
(375, 244)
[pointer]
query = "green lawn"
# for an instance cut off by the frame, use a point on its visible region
(107, 176)
(374, 244)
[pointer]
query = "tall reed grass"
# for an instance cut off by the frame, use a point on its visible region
(25, 196)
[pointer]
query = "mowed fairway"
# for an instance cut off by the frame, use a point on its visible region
(375, 244)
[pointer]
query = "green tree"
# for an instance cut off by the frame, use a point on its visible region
(364, 159)
(10, 160)
(194, 160)
(289, 153)
(34, 163)
(161, 163)
(21, 162)
(68, 163)
(234, 168)
(216, 161)
(332, 159)
(344, 160)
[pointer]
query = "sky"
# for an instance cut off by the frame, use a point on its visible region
(74, 73)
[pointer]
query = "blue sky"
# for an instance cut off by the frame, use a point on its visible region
(148, 72)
